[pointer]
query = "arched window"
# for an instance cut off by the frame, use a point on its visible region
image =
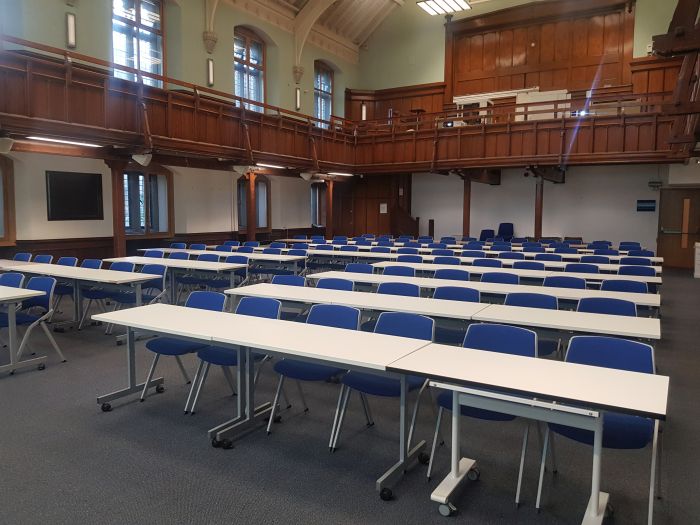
(262, 203)
(323, 92)
(148, 201)
(249, 67)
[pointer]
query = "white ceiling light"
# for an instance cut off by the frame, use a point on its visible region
(443, 7)
(143, 158)
(70, 142)
(6, 145)
(340, 174)
(273, 166)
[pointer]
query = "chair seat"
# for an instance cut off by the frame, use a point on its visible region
(449, 336)
(130, 297)
(368, 326)
(217, 355)
(172, 346)
(379, 385)
(188, 280)
(95, 294)
(305, 371)
(546, 347)
(619, 431)
(63, 289)
(445, 401)
(21, 319)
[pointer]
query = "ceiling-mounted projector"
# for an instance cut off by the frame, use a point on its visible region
(242, 170)
(307, 175)
(142, 158)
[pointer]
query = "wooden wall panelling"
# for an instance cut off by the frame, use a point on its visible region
(428, 97)
(654, 74)
(82, 248)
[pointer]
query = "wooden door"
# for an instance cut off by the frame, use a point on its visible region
(679, 226)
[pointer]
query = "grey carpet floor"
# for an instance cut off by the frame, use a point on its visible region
(64, 461)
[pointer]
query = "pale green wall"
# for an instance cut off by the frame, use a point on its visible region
(43, 21)
(409, 46)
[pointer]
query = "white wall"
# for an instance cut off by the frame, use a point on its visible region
(291, 202)
(596, 202)
(204, 200)
(684, 174)
(30, 197)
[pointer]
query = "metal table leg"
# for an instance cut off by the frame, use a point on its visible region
(595, 512)
(13, 347)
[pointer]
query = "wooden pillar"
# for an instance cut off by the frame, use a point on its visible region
(252, 213)
(119, 233)
(539, 193)
(466, 206)
(329, 209)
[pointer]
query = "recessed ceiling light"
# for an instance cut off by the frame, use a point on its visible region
(70, 142)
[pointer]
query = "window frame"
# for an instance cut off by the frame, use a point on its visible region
(136, 24)
(318, 192)
(243, 181)
(7, 169)
(153, 169)
(248, 35)
(320, 65)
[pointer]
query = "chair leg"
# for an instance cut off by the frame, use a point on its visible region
(301, 395)
(51, 339)
(553, 463)
(365, 407)
(151, 371)
(260, 367)
(341, 417)
(229, 379)
(652, 481)
(25, 340)
(522, 464)
(85, 314)
(205, 373)
(435, 439)
(182, 369)
(275, 402)
(415, 413)
(195, 382)
(337, 413)
(542, 462)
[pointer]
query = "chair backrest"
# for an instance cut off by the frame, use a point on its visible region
(528, 265)
(532, 244)
(443, 252)
(22, 256)
(405, 325)
(407, 250)
(606, 305)
(236, 259)
(581, 268)
(633, 261)
(93, 264)
(381, 249)
(340, 237)
(214, 301)
(253, 244)
(605, 251)
(533, 249)
(154, 269)
(122, 266)
(486, 234)
(339, 242)
(474, 245)
(564, 281)
(491, 263)
(413, 244)
(648, 271)
(505, 230)
(67, 261)
(259, 307)
(448, 240)
(156, 254)
(532, 300)
(232, 243)
(300, 246)
(441, 259)
(457, 293)
(224, 248)
(359, 268)
(409, 258)
(181, 256)
(547, 257)
(621, 285)
(300, 236)
(40, 284)
(277, 245)
(289, 280)
(385, 243)
(349, 248)
(473, 253)
(333, 283)
(334, 315)
(325, 247)
(403, 271)
(501, 338)
(208, 257)
(565, 250)
(363, 242)
(498, 277)
(595, 259)
(511, 255)
(466, 238)
(198, 246)
(439, 245)
(12, 279)
(611, 352)
(501, 248)
(451, 274)
(640, 253)
(178, 245)
(45, 259)
(405, 289)
(298, 252)
(272, 251)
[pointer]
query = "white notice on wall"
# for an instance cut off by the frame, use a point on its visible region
(383, 208)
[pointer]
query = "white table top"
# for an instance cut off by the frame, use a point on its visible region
(611, 276)
(507, 263)
(334, 345)
(9, 264)
(251, 256)
(593, 387)
(577, 257)
(86, 274)
(9, 294)
(363, 300)
(180, 263)
(477, 270)
(602, 324)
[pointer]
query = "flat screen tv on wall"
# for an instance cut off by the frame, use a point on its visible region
(74, 196)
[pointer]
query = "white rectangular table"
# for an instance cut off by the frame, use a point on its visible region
(542, 389)
(11, 297)
(293, 260)
(343, 348)
(476, 270)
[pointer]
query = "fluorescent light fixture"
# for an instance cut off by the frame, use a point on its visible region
(443, 7)
(210, 72)
(297, 98)
(70, 31)
(340, 174)
(60, 141)
(273, 166)
(363, 111)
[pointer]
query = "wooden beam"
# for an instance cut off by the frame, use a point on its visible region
(119, 233)
(682, 26)
(539, 195)
(252, 214)
(483, 175)
(329, 208)
(466, 206)
(554, 174)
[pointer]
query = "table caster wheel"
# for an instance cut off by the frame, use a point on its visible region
(106, 407)
(277, 419)
(42, 366)
(160, 389)
(119, 343)
(386, 494)
(447, 509)
(226, 444)
(215, 443)
(424, 458)
(609, 511)
(474, 474)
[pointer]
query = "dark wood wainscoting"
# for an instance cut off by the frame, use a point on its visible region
(85, 248)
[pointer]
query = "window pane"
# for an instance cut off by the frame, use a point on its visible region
(256, 53)
(124, 47)
(124, 8)
(150, 56)
(238, 48)
(134, 204)
(158, 203)
(150, 13)
(261, 203)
